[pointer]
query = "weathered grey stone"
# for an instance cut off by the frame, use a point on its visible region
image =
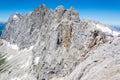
(60, 43)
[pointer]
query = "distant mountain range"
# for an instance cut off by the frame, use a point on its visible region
(117, 27)
(2, 25)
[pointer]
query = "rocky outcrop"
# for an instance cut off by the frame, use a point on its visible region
(63, 46)
(25, 29)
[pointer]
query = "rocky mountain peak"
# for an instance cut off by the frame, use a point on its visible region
(34, 21)
(60, 9)
(40, 8)
(56, 45)
(15, 17)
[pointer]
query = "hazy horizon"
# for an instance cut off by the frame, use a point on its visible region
(104, 11)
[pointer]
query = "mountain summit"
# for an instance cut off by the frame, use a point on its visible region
(57, 45)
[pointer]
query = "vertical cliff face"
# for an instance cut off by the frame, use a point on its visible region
(25, 29)
(53, 44)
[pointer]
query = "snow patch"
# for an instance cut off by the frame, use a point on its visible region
(15, 17)
(13, 46)
(36, 61)
(31, 47)
(15, 79)
(26, 63)
(10, 57)
(115, 33)
(107, 30)
(23, 50)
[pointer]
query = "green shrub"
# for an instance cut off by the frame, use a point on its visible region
(2, 61)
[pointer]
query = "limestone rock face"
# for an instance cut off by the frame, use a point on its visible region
(53, 45)
(101, 63)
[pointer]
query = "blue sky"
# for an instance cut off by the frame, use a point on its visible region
(105, 11)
